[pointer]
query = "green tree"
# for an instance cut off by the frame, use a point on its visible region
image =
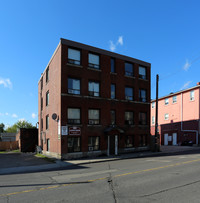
(2, 126)
(19, 124)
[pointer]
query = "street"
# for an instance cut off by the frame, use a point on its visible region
(171, 178)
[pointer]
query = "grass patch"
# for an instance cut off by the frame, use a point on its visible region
(13, 151)
(41, 156)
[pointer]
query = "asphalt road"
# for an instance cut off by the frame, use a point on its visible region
(154, 179)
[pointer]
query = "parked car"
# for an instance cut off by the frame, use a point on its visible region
(187, 143)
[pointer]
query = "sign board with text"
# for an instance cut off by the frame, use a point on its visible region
(64, 130)
(74, 130)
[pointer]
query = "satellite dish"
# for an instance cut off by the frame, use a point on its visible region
(54, 116)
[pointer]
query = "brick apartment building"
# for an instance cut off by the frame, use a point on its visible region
(93, 102)
(178, 117)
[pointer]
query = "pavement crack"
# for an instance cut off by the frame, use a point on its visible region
(110, 182)
(172, 188)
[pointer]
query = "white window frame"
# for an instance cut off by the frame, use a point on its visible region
(141, 70)
(166, 116)
(93, 61)
(192, 95)
(73, 119)
(166, 101)
(174, 99)
(153, 120)
(153, 105)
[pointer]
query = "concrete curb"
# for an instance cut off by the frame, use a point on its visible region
(69, 163)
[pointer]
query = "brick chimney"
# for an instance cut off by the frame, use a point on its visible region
(198, 83)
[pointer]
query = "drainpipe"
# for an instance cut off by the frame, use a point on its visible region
(194, 131)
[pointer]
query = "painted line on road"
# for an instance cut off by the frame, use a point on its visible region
(97, 179)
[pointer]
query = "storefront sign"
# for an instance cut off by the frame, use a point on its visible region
(74, 131)
(64, 130)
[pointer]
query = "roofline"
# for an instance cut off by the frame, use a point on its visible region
(103, 51)
(50, 61)
(170, 95)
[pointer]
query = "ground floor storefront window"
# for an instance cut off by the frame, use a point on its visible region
(129, 141)
(143, 140)
(93, 143)
(74, 144)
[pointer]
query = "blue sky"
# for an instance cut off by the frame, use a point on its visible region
(164, 33)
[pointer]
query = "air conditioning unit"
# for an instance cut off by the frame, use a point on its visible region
(70, 91)
(91, 148)
(91, 122)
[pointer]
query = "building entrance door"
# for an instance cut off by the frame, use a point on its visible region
(166, 139)
(174, 137)
(113, 145)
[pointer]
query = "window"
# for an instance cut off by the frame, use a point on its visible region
(129, 118)
(142, 72)
(93, 143)
(153, 105)
(142, 118)
(47, 122)
(48, 144)
(41, 83)
(142, 140)
(93, 61)
(153, 120)
(41, 103)
(74, 56)
(112, 64)
(166, 101)
(129, 93)
(47, 75)
(93, 89)
(47, 98)
(73, 86)
(174, 99)
(192, 95)
(143, 95)
(112, 115)
(74, 144)
(73, 115)
(112, 91)
(128, 69)
(129, 141)
(166, 116)
(93, 116)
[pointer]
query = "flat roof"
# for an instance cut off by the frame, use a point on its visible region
(173, 94)
(104, 52)
(97, 50)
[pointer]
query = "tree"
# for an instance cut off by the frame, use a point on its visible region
(2, 126)
(19, 124)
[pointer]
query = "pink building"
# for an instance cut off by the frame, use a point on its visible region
(178, 117)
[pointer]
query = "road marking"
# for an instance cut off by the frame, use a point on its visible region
(158, 160)
(89, 181)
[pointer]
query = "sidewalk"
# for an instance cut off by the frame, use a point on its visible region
(165, 150)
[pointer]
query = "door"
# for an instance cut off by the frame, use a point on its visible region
(113, 145)
(166, 139)
(174, 137)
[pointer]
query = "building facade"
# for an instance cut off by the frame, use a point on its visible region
(93, 102)
(178, 117)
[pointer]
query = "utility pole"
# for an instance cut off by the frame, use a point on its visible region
(156, 126)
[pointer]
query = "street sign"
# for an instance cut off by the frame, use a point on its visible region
(64, 130)
(74, 131)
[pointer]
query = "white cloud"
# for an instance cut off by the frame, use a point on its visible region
(14, 115)
(113, 45)
(186, 85)
(6, 114)
(120, 40)
(6, 82)
(22, 119)
(186, 65)
(33, 115)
